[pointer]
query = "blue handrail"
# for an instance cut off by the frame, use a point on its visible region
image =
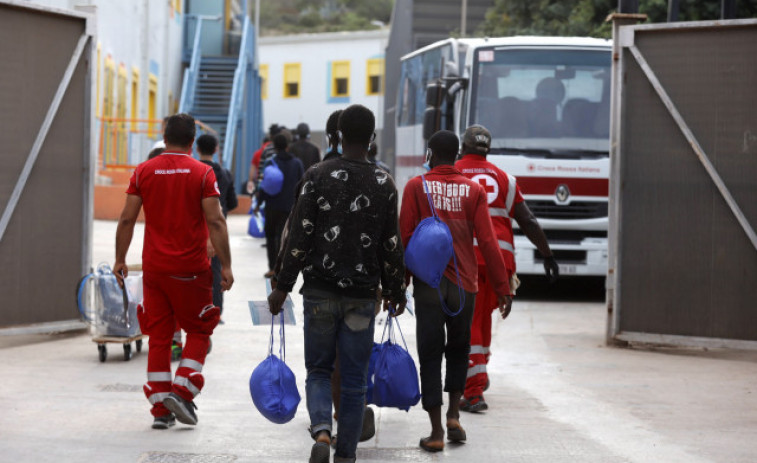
(237, 107)
(192, 72)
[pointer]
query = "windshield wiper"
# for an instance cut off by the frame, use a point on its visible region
(552, 153)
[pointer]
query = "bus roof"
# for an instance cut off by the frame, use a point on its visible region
(539, 41)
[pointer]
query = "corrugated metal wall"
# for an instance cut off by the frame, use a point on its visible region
(45, 248)
(685, 266)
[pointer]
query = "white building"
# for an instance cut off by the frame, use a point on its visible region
(308, 76)
(138, 70)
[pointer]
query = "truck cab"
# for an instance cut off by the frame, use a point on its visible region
(546, 102)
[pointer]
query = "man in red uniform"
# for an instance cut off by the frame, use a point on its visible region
(505, 203)
(180, 198)
(461, 204)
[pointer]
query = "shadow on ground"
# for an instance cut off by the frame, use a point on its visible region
(568, 289)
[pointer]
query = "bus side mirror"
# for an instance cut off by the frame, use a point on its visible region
(431, 120)
(434, 94)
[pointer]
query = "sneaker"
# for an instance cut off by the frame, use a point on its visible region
(176, 350)
(183, 409)
(369, 425)
(164, 422)
(474, 404)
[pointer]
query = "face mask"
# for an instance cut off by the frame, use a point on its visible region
(339, 148)
(427, 164)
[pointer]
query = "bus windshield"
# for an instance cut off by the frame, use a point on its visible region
(551, 100)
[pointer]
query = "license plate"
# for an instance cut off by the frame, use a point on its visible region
(568, 269)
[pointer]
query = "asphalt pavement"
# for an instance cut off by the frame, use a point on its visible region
(558, 393)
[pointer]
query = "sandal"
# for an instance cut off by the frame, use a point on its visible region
(455, 432)
(320, 453)
(431, 446)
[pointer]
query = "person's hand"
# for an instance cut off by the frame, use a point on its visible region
(211, 249)
(505, 305)
(121, 271)
(256, 210)
(551, 269)
(227, 278)
(250, 186)
(276, 301)
(395, 309)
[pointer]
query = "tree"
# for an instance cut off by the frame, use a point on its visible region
(307, 16)
(587, 17)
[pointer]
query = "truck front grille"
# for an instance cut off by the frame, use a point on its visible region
(573, 211)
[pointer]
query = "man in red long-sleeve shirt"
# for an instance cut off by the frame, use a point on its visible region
(461, 204)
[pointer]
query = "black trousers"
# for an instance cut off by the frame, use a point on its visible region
(430, 323)
(274, 227)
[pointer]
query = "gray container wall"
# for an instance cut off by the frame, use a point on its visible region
(45, 249)
(685, 265)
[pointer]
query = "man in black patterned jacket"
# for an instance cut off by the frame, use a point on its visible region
(345, 239)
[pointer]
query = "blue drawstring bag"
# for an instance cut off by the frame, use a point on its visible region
(375, 351)
(256, 227)
(273, 178)
(273, 386)
(395, 378)
(429, 251)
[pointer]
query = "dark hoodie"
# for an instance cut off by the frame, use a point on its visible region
(292, 169)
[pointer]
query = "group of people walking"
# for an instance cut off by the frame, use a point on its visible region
(341, 227)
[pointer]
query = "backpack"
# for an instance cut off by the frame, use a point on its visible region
(273, 178)
(430, 250)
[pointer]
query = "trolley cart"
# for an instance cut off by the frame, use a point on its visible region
(103, 350)
(113, 316)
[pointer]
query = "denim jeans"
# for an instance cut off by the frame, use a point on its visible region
(333, 321)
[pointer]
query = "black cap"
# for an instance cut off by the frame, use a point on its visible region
(478, 138)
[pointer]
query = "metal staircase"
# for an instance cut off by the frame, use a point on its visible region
(212, 98)
(223, 92)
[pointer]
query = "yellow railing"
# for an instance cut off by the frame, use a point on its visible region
(125, 142)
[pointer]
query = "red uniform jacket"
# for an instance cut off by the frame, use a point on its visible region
(461, 204)
(502, 194)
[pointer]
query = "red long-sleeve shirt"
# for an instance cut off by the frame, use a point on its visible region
(461, 204)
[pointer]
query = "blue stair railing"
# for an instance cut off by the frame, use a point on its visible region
(242, 132)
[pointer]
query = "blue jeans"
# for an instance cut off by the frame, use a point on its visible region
(333, 321)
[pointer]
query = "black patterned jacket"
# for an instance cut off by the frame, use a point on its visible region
(344, 233)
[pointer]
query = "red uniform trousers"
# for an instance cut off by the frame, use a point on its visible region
(186, 300)
(481, 335)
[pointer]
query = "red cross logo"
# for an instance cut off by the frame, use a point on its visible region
(490, 186)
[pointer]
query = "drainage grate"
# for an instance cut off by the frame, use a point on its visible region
(118, 387)
(170, 457)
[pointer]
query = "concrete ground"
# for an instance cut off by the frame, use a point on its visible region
(558, 393)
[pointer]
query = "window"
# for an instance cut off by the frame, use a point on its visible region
(263, 73)
(134, 98)
(110, 74)
(375, 77)
(99, 74)
(152, 101)
(123, 77)
(340, 79)
(292, 80)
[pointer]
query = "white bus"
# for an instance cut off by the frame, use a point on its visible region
(546, 102)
